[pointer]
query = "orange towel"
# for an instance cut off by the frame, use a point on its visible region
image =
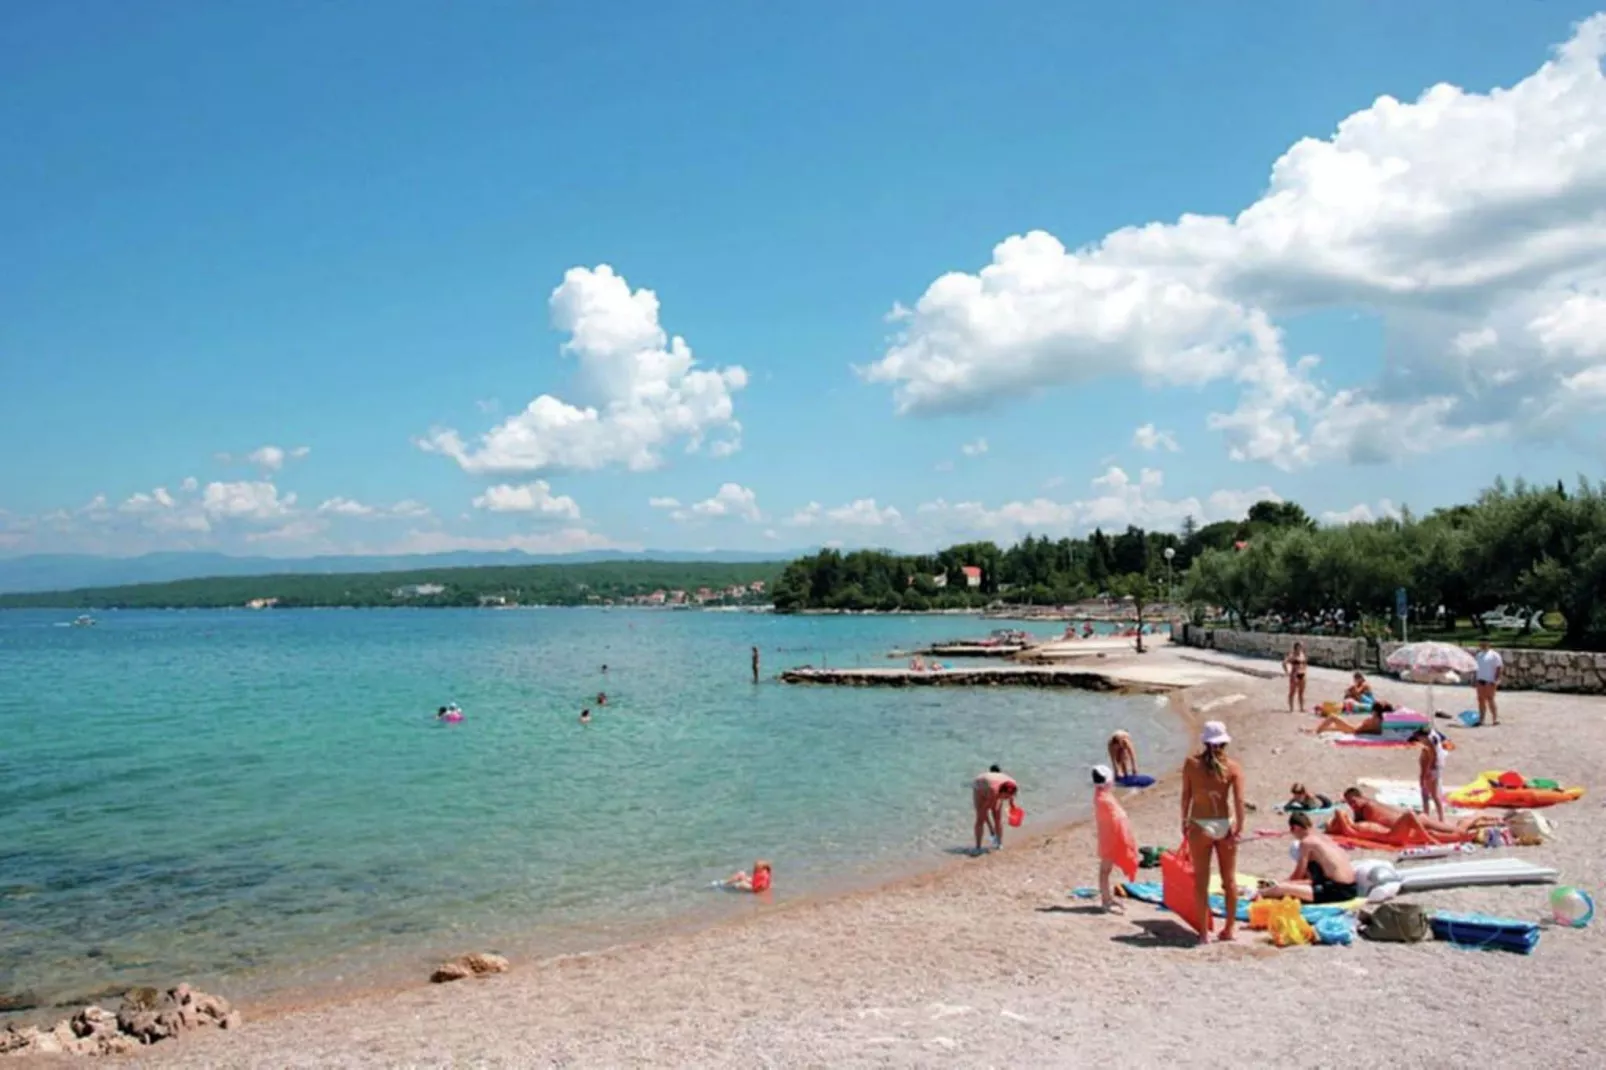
(1116, 843)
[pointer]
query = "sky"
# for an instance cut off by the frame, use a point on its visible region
(296, 278)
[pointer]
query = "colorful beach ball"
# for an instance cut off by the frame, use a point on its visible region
(1572, 907)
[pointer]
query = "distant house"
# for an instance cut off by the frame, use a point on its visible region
(262, 603)
(419, 590)
(493, 600)
(656, 598)
(972, 576)
(677, 598)
(940, 580)
(757, 586)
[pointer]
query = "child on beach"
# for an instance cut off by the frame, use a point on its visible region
(1117, 848)
(759, 881)
(1430, 770)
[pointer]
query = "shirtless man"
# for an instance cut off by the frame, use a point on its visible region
(1123, 755)
(1322, 873)
(990, 792)
(1380, 819)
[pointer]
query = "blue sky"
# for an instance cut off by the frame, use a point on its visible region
(364, 235)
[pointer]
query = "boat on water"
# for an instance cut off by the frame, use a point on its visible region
(84, 621)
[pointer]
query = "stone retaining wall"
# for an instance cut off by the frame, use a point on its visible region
(1525, 670)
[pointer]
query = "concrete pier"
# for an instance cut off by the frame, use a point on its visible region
(1156, 673)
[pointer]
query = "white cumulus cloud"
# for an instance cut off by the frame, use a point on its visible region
(664, 503)
(1362, 513)
(860, 513)
(533, 497)
(1118, 499)
(642, 388)
(1150, 438)
(731, 499)
(1472, 224)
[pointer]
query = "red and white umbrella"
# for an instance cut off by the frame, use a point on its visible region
(1430, 660)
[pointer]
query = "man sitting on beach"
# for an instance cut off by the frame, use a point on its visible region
(1322, 872)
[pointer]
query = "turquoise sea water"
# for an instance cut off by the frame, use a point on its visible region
(264, 802)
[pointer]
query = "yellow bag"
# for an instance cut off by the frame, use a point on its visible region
(1284, 920)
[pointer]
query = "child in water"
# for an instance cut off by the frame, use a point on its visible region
(585, 716)
(1117, 848)
(758, 882)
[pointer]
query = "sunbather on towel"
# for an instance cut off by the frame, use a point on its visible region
(1372, 726)
(1322, 874)
(1374, 818)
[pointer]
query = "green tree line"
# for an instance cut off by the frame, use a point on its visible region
(1036, 570)
(554, 584)
(1540, 547)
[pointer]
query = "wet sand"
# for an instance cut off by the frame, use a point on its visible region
(991, 962)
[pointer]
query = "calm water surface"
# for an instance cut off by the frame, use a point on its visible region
(264, 801)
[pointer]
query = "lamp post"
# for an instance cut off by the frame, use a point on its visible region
(1170, 552)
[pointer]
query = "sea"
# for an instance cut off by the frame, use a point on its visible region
(265, 804)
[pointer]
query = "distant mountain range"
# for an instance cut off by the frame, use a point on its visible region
(62, 572)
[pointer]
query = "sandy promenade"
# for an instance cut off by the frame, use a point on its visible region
(991, 963)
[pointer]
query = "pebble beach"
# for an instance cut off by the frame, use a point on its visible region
(992, 962)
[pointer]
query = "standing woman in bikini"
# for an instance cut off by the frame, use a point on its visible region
(1295, 665)
(1212, 820)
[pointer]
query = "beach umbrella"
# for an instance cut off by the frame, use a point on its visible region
(1430, 660)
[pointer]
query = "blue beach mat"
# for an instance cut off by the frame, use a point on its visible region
(1484, 933)
(1134, 780)
(1151, 892)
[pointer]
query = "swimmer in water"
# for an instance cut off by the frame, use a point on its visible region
(758, 882)
(585, 716)
(441, 713)
(602, 698)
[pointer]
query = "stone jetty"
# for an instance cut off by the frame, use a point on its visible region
(987, 676)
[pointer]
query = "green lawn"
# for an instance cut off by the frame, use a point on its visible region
(1467, 634)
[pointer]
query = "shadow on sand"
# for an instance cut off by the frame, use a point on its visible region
(1159, 932)
(1086, 908)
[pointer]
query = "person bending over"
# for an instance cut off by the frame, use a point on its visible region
(989, 792)
(1123, 755)
(1322, 873)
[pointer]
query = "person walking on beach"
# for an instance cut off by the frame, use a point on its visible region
(1295, 665)
(1487, 680)
(755, 664)
(989, 792)
(1212, 822)
(1123, 755)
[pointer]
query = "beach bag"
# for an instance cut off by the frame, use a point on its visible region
(1396, 923)
(1528, 828)
(1176, 882)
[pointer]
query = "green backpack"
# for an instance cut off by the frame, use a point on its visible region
(1396, 922)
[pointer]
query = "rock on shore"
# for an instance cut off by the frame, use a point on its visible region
(474, 965)
(146, 1016)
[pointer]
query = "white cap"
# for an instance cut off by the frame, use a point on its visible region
(1102, 774)
(1215, 734)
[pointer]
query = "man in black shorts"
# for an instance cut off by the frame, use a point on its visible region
(1321, 875)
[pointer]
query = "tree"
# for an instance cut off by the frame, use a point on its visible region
(1141, 590)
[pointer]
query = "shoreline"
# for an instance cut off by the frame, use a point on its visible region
(913, 875)
(988, 961)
